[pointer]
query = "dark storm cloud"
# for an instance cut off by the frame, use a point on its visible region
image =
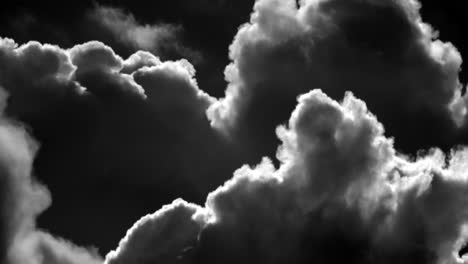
(341, 194)
(161, 39)
(133, 126)
(380, 50)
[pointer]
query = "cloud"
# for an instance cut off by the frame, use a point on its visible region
(380, 50)
(23, 199)
(341, 194)
(39, 247)
(172, 228)
(116, 132)
(161, 39)
(136, 127)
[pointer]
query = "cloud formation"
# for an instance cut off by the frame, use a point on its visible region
(116, 132)
(380, 50)
(133, 126)
(341, 194)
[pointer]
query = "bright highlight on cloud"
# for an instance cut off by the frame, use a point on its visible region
(339, 190)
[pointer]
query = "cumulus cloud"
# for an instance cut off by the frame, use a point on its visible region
(161, 39)
(117, 131)
(133, 125)
(380, 50)
(341, 194)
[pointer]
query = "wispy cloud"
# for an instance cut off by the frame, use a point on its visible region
(158, 38)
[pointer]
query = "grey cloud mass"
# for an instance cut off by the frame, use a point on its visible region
(381, 208)
(380, 50)
(138, 122)
(90, 84)
(120, 137)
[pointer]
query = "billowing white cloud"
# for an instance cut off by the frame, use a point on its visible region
(380, 50)
(341, 193)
